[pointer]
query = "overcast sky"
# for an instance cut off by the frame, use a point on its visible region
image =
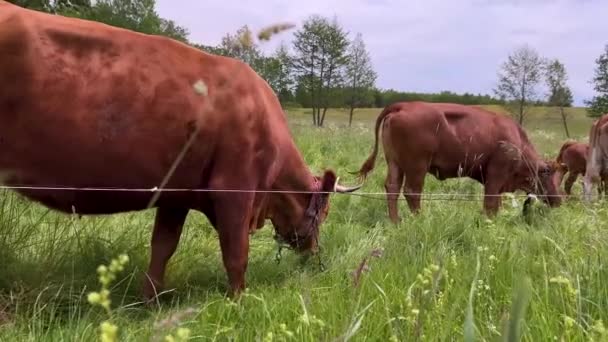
(427, 45)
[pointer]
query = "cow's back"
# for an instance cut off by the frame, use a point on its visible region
(450, 138)
(457, 128)
(83, 104)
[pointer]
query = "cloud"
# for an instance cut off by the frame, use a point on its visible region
(427, 45)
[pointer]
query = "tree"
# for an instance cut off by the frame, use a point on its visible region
(285, 80)
(306, 61)
(242, 47)
(518, 78)
(38, 5)
(170, 29)
(136, 15)
(598, 105)
(360, 76)
(560, 94)
(62, 7)
(320, 56)
(335, 46)
(210, 49)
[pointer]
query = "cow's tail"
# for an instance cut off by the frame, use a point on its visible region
(368, 165)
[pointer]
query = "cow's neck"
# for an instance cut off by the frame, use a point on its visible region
(294, 174)
(294, 183)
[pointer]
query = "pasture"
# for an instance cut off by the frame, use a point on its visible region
(381, 282)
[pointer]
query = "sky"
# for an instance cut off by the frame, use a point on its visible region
(426, 45)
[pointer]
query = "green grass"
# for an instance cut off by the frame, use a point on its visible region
(420, 287)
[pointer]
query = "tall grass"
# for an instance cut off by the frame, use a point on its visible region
(382, 282)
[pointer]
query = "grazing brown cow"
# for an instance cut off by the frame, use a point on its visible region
(450, 141)
(571, 160)
(83, 104)
(597, 158)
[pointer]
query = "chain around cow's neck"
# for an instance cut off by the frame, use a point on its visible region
(312, 215)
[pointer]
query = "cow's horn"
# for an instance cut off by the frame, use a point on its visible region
(343, 189)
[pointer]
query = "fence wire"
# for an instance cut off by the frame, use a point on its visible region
(428, 196)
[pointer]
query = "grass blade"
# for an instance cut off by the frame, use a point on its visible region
(521, 298)
(469, 323)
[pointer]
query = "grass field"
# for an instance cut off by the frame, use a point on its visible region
(438, 276)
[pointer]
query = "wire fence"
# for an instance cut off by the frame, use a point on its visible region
(439, 196)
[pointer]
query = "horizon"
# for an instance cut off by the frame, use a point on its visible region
(405, 60)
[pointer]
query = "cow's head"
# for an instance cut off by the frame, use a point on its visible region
(297, 217)
(544, 182)
(558, 176)
(533, 174)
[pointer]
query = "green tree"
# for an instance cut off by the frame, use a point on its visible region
(560, 95)
(216, 50)
(171, 29)
(598, 105)
(335, 47)
(360, 76)
(320, 56)
(518, 77)
(38, 5)
(242, 47)
(285, 80)
(136, 15)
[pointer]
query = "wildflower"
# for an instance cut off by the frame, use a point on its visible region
(599, 329)
(285, 331)
(102, 270)
(94, 298)
(569, 322)
(108, 332)
(269, 337)
(183, 333)
(559, 280)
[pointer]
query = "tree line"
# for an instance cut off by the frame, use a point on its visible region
(525, 70)
(324, 67)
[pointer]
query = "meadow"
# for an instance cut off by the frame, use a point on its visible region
(446, 274)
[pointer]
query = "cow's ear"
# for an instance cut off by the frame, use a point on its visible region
(328, 181)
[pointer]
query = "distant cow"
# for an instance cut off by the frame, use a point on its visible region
(597, 157)
(83, 104)
(450, 141)
(571, 160)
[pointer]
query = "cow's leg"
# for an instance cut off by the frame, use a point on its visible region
(603, 185)
(569, 182)
(232, 213)
(496, 176)
(167, 230)
(414, 183)
(392, 185)
(492, 199)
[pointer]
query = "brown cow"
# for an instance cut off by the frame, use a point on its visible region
(83, 104)
(571, 160)
(450, 141)
(597, 157)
